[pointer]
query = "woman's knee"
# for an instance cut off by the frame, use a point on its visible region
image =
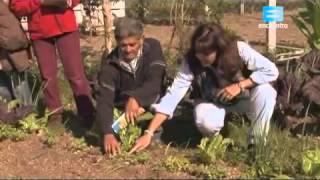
(209, 118)
(263, 100)
(264, 94)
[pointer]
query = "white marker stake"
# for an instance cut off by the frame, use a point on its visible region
(272, 32)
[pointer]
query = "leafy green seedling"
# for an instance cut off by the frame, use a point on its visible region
(210, 149)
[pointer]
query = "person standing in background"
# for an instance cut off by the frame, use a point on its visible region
(14, 64)
(52, 27)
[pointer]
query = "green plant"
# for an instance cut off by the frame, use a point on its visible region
(207, 172)
(311, 162)
(214, 10)
(308, 22)
(116, 113)
(281, 155)
(9, 132)
(176, 163)
(130, 133)
(50, 138)
(139, 8)
(14, 103)
(78, 144)
(237, 154)
(128, 137)
(32, 124)
(210, 149)
(140, 158)
(172, 62)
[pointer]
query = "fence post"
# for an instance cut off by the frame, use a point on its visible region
(241, 7)
(272, 32)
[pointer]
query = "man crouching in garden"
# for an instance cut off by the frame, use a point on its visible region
(130, 78)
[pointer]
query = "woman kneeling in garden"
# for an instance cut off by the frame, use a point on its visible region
(231, 76)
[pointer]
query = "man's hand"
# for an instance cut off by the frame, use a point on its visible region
(141, 143)
(56, 3)
(111, 145)
(132, 110)
(229, 92)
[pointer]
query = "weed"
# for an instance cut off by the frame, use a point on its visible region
(50, 139)
(204, 171)
(249, 172)
(14, 103)
(116, 113)
(281, 154)
(311, 162)
(172, 62)
(32, 124)
(139, 158)
(9, 132)
(78, 144)
(308, 23)
(176, 163)
(236, 155)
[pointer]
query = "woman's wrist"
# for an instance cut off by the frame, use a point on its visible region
(240, 86)
(149, 132)
(245, 84)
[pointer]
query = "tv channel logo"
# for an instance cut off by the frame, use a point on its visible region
(273, 14)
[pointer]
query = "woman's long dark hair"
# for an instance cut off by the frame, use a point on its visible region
(212, 37)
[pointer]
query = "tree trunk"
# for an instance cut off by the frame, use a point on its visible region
(108, 24)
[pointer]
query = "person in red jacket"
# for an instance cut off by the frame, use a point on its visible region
(52, 27)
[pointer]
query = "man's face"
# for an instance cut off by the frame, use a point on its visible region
(130, 46)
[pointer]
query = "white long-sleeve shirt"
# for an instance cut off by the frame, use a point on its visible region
(263, 71)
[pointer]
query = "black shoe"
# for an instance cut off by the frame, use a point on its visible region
(86, 122)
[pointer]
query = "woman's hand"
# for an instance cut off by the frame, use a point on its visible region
(145, 140)
(142, 143)
(229, 92)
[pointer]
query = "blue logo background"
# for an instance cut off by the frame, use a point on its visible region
(273, 14)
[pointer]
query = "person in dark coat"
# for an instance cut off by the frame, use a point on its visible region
(130, 78)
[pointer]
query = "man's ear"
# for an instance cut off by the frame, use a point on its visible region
(142, 39)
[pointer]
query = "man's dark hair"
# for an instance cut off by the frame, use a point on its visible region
(128, 27)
